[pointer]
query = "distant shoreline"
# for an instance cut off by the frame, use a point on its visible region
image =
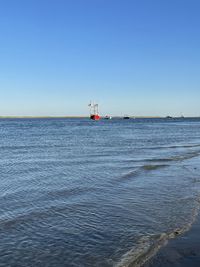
(85, 117)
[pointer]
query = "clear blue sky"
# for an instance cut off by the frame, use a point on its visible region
(136, 57)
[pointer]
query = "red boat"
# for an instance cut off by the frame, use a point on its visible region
(94, 117)
(94, 111)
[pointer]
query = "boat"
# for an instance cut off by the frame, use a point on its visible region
(95, 117)
(94, 111)
(107, 117)
(126, 117)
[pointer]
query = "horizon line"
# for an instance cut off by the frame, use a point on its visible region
(73, 116)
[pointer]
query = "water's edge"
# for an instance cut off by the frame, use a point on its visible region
(148, 247)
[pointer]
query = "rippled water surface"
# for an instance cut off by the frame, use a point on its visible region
(80, 193)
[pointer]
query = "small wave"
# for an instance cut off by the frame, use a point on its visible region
(157, 163)
(65, 192)
(27, 147)
(154, 167)
(148, 246)
(174, 146)
(144, 168)
(175, 158)
(131, 174)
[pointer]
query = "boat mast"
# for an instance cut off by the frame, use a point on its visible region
(91, 107)
(94, 108)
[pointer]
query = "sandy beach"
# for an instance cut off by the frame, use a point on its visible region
(183, 251)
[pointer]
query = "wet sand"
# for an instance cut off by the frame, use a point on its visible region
(183, 251)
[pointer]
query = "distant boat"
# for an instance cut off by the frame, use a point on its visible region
(94, 111)
(95, 117)
(169, 117)
(107, 117)
(126, 117)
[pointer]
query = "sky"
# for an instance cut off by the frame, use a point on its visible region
(135, 57)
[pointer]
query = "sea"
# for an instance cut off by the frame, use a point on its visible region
(83, 193)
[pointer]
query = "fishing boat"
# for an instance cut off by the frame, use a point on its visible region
(126, 117)
(94, 111)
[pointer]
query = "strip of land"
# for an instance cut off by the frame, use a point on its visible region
(82, 117)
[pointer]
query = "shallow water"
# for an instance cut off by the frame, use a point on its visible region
(75, 192)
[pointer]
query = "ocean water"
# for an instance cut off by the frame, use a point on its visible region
(81, 193)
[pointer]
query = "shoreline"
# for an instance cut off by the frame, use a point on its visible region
(182, 251)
